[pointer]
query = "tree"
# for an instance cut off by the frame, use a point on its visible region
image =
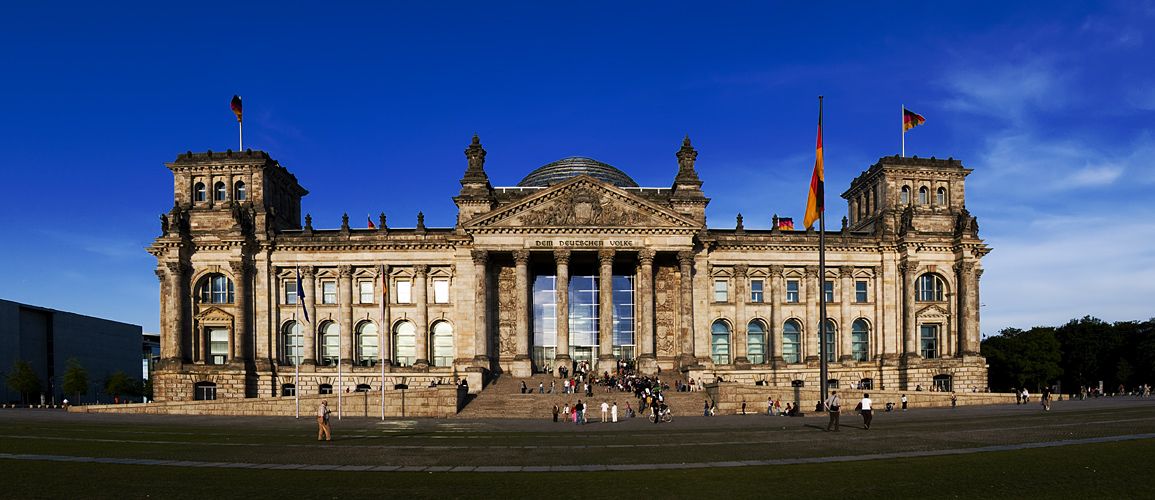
(120, 384)
(22, 378)
(1020, 358)
(75, 379)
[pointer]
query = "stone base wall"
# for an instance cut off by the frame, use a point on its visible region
(438, 402)
(729, 397)
(966, 373)
(238, 383)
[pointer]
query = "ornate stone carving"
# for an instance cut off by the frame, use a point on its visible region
(606, 257)
(964, 268)
(685, 257)
(908, 268)
(561, 256)
(308, 272)
(845, 271)
(344, 270)
(238, 268)
(521, 256)
(646, 256)
(421, 270)
(777, 270)
(665, 310)
(740, 270)
(507, 311)
(175, 268)
(811, 271)
(160, 275)
(480, 257)
(584, 207)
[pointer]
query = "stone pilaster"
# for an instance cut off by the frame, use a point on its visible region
(421, 317)
(740, 320)
(562, 357)
(813, 333)
(176, 339)
(968, 309)
(521, 362)
(685, 264)
(909, 271)
(385, 333)
(846, 283)
(481, 309)
(606, 362)
(647, 360)
(345, 311)
(309, 282)
(240, 341)
(776, 293)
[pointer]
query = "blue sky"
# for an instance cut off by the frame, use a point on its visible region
(371, 105)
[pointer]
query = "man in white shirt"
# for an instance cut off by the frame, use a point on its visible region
(605, 411)
(833, 405)
(866, 406)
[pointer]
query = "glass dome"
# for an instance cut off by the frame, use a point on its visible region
(573, 166)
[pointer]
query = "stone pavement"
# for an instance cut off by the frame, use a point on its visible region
(497, 445)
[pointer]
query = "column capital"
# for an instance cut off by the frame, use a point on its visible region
(421, 270)
(479, 256)
(908, 267)
(521, 256)
(160, 275)
(175, 268)
(345, 270)
(238, 268)
(561, 256)
(777, 270)
(308, 271)
(606, 257)
(812, 272)
(646, 256)
(740, 270)
(978, 274)
(685, 257)
(845, 271)
(964, 268)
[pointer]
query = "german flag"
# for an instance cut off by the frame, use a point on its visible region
(236, 105)
(371, 224)
(815, 204)
(910, 119)
(786, 223)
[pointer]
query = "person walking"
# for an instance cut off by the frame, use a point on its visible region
(1026, 396)
(1047, 398)
(323, 422)
(904, 402)
(605, 411)
(866, 406)
(953, 399)
(614, 412)
(1018, 396)
(579, 417)
(833, 405)
(556, 410)
(523, 387)
(769, 405)
(706, 408)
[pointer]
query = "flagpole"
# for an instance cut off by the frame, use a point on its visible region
(241, 134)
(340, 383)
(297, 357)
(902, 124)
(822, 271)
(382, 331)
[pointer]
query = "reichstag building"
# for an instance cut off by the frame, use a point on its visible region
(577, 263)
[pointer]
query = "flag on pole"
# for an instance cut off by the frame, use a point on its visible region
(910, 119)
(371, 224)
(815, 203)
(236, 105)
(301, 295)
(786, 223)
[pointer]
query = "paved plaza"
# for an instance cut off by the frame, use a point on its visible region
(503, 445)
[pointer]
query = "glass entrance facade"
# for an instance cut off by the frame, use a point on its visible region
(584, 321)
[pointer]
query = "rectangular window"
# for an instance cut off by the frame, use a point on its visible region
(792, 291)
(328, 292)
(720, 291)
(828, 289)
(366, 288)
(440, 291)
(291, 292)
(218, 345)
(860, 291)
(404, 292)
(929, 341)
(756, 291)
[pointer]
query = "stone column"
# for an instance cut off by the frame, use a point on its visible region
(846, 282)
(480, 309)
(813, 335)
(878, 339)
(174, 278)
(240, 333)
(776, 319)
(606, 361)
(967, 308)
(685, 263)
(309, 329)
(521, 362)
(647, 361)
(385, 333)
(345, 306)
(740, 322)
(420, 294)
(562, 357)
(908, 270)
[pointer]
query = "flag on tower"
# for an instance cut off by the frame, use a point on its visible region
(786, 223)
(236, 105)
(371, 224)
(815, 203)
(910, 119)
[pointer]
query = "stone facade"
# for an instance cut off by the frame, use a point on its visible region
(257, 305)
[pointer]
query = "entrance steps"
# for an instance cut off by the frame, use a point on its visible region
(502, 398)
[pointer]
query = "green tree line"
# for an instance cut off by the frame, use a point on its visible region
(23, 379)
(1082, 352)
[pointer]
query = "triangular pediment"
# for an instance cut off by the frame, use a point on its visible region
(214, 315)
(583, 202)
(932, 311)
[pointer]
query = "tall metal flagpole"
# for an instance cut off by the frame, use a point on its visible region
(902, 124)
(822, 267)
(381, 332)
(297, 356)
(340, 383)
(241, 134)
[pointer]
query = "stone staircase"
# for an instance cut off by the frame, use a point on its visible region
(502, 398)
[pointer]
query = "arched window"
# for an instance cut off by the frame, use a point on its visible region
(205, 391)
(905, 195)
(199, 192)
(405, 343)
(756, 342)
(292, 340)
(940, 196)
(325, 389)
(831, 343)
(367, 344)
(720, 342)
(792, 341)
(330, 344)
(240, 191)
(220, 192)
(442, 344)
(929, 288)
(922, 196)
(859, 340)
(289, 390)
(217, 289)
